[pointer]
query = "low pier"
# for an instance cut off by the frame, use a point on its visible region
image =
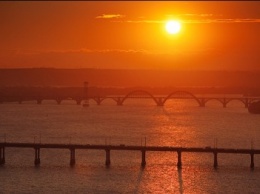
(2, 155)
(143, 149)
(37, 159)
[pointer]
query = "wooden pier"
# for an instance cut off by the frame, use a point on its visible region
(143, 149)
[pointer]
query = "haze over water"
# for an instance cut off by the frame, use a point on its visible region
(178, 123)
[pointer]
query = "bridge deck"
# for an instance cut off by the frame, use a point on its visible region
(132, 148)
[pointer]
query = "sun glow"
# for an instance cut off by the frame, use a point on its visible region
(173, 26)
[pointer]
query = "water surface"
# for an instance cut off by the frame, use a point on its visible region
(178, 123)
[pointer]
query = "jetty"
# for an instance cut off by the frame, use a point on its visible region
(108, 148)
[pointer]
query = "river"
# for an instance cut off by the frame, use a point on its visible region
(178, 123)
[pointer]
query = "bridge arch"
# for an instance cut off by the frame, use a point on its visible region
(183, 93)
(93, 99)
(245, 102)
(138, 91)
(100, 100)
(216, 99)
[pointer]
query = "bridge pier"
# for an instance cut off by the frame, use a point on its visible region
(252, 164)
(246, 102)
(37, 160)
(58, 101)
(225, 103)
(143, 158)
(98, 100)
(202, 102)
(179, 163)
(78, 102)
(119, 103)
(159, 102)
(107, 157)
(2, 155)
(72, 157)
(39, 101)
(215, 159)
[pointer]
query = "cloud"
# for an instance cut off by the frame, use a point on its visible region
(184, 18)
(30, 53)
(141, 21)
(78, 58)
(83, 50)
(200, 15)
(198, 21)
(128, 58)
(237, 20)
(110, 16)
(195, 15)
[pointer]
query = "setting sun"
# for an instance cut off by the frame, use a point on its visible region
(172, 27)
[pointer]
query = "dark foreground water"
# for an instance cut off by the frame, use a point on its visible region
(179, 123)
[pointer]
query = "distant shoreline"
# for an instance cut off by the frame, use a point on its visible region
(33, 77)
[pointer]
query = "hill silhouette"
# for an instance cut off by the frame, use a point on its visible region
(127, 78)
(121, 81)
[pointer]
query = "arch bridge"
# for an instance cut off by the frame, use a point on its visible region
(142, 94)
(121, 99)
(161, 100)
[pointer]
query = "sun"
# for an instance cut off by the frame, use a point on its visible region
(173, 26)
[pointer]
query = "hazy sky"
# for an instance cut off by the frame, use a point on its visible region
(214, 35)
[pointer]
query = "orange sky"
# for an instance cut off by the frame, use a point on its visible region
(214, 35)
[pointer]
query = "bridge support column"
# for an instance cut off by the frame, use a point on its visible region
(143, 159)
(72, 157)
(107, 157)
(2, 155)
(98, 100)
(119, 101)
(78, 102)
(39, 101)
(37, 160)
(252, 164)
(215, 159)
(179, 163)
(246, 103)
(58, 101)
(202, 102)
(159, 102)
(224, 103)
